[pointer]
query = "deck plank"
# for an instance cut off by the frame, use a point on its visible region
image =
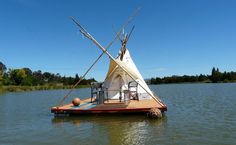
(112, 106)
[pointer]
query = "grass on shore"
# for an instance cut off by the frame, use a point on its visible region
(34, 88)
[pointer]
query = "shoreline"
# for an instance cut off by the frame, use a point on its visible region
(36, 88)
(13, 88)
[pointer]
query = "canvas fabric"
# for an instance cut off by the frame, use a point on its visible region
(117, 79)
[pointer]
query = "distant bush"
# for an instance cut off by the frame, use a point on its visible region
(215, 77)
(27, 77)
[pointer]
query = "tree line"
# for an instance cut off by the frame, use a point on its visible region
(27, 77)
(215, 77)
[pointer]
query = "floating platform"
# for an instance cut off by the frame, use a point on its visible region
(111, 106)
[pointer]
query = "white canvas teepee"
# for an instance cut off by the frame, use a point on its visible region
(117, 79)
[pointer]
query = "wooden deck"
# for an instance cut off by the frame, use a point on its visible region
(112, 106)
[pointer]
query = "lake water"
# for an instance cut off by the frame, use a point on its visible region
(197, 114)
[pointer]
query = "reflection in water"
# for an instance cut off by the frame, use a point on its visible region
(115, 129)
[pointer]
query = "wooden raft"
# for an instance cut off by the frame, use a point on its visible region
(111, 106)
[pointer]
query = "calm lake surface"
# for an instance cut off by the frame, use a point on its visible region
(197, 114)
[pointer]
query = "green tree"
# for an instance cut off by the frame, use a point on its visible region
(2, 71)
(27, 81)
(153, 81)
(76, 78)
(38, 78)
(202, 78)
(2, 67)
(17, 76)
(215, 75)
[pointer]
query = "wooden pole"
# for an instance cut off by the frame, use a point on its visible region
(86, 34)
(82, 30)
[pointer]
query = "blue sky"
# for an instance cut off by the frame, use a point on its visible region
(171, 37)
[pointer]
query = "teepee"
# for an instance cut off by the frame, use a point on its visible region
(117, 80)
